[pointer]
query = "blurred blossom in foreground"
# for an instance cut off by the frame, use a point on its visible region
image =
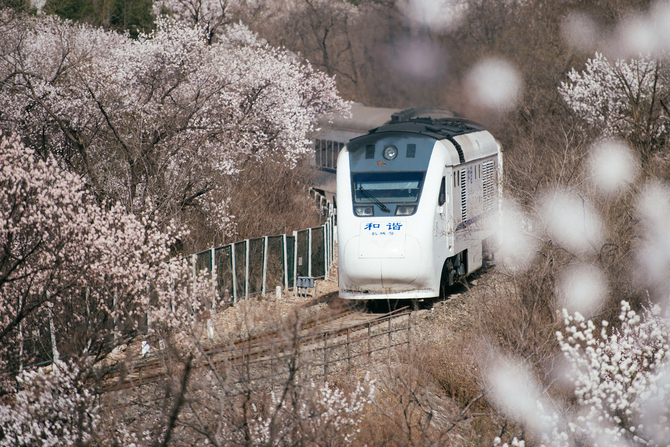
(612, 165)
(579, 31)
(655, 409)
(419, 60)
(635, 35)
(516, 246)
(660, 16)
(438, 15)
(654, 254)
(620, 377)
(495, 84)
(647, 33)
(516, 392)
(583, 289)
(572, 222)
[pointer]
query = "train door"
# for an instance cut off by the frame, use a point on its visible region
(443, 219)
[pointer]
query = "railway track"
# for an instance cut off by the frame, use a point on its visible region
(256, 348)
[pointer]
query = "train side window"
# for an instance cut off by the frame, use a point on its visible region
(324, 153)
(329, 150)
(317, 152)
(443, 192)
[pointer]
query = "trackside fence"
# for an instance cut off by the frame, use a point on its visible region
(267, 362)
(242, 269)
(259, 265)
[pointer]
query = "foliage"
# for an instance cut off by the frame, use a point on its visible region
(133, 16)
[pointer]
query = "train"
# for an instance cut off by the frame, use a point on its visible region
(417, 200)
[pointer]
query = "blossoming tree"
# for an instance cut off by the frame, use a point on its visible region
(624, 99)
(162, 122)
(73, 268)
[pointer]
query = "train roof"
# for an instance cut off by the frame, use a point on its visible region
(438, 128)
(451, 127)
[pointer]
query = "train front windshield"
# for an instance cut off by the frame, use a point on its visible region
(387, 187)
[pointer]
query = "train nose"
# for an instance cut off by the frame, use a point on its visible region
(384, 264)
(401, 273)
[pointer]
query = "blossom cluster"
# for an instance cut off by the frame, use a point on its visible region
(620, 99)
(51, 410)
(86, 264)
(621, 383)
(322, 415)
(621, 377)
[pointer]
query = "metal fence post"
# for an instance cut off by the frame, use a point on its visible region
(295, 257)
(369, 333)
(309, 252)
(246, 271)
(215, 278)
(326, 249)
(390, 340)
(332, 237)
(234, 271)
(265, 265)
(348, 351)
(325, 357)
(285, 256)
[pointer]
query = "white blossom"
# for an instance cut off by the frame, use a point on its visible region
(620, 99)
(51, 410)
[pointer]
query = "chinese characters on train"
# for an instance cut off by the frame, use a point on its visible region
(377, 229)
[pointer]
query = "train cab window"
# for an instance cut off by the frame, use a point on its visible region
(370, 151)
(443, 192)
(387, 187)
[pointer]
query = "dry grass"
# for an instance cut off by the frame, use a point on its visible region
(433, 393)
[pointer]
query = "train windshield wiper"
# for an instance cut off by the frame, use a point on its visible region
(374, 199)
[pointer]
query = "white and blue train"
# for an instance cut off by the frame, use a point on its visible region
(415, 201)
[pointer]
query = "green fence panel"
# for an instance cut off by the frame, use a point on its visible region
(203, 262)
(275, 265)
(240, 267)
(318, 253)
(290, 260)
(303, 253)
(224, 272)
(256, 253)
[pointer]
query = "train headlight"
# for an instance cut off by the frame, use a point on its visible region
(390, 152)
(405, 210)
(364, 211)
